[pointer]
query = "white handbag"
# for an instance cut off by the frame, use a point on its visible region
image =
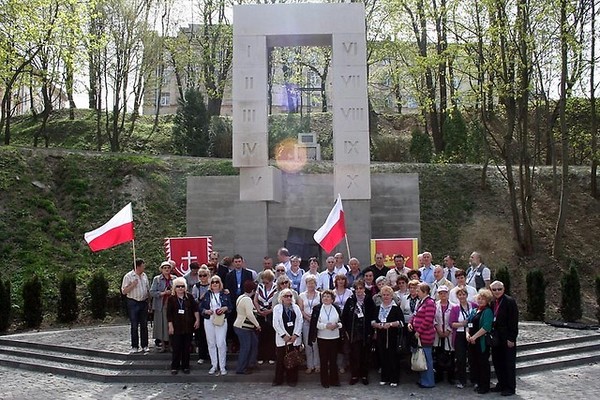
(418, 362)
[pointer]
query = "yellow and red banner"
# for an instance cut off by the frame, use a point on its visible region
(408, 247)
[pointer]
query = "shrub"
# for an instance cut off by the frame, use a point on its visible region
(190, 127)
(536, 295)
(220, 137)
(421, 148)
(503, 275)
(389, 148)
(5, 305)
(98, 289)
(68, 306)
(570, 306)
(598, 297)
(455, 137)
(32, 302)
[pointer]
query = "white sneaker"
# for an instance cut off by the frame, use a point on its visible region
(146, 349)
(134, 350)
(393, 384)
(271, 362)
(460, 385)
(260, 362)
(383, 383)
(200, 361)
(223, 372)
(212, 371)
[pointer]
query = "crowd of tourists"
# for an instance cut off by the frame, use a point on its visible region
(335, 321)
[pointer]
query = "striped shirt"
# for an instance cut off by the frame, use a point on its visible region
(140, 291)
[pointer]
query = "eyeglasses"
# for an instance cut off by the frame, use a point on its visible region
(497, 290)
(287, 295)
(280, 270)
(202, 275)
(285, 283)
(180, 286)
(213, 282)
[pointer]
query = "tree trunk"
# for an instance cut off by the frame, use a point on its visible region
(594, 121)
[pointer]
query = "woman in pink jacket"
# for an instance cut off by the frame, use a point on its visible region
(422, 324)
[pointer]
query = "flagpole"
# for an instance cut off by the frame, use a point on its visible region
(133, 248)
(347, 246)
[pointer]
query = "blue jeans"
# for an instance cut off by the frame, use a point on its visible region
(138, 315)
(427, 377)
(248, 348)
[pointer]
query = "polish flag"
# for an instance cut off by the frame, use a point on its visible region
(116, 231)
(334, 229)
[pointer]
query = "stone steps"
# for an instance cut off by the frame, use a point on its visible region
(111, 366)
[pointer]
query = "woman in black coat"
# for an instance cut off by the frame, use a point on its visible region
(357, 315)
(389, 319)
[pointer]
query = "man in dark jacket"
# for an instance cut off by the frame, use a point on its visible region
(506, 327)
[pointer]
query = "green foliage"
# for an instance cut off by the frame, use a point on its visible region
(455, 137)
(68, 305)
(570, 306)
(5, 304)
(503, 275)
(98, 290)
(536, 295)
(32, 302)
(221, 133)
(421, 147)
(476, 145)
(390, 148)
(285, 128)
(190, 128)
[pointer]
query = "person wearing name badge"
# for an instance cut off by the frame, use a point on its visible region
(307, 302)
(326, 278)
(342, 294)
(263, 303)
(214, 308)
(287, 322)
(480, 323)
(198, 292)
(354, 274)
(325, 326)
(295, 273)
(313, 269)
(459, 319)
(357, 315)
(160, 292)
(388, 318)
(183, 318)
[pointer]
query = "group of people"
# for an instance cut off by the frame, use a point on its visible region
(345, 318)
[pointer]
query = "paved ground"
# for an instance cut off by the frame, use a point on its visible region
(575, 383)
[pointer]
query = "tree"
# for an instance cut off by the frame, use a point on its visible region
(570, 305)
(32, 302)
(190, 127)
(68, 306)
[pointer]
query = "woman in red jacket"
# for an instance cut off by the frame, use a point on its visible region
(422, 324)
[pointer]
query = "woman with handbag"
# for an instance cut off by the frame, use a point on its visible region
(459, 318)
(480, 323)
(287, 322)
(388, 320)
(214, 308)
(357, 315)
(246, 326)
(325, 326)
(443, 360)
(422, 324)
(307, 302)
(183, 318)
(199, 290)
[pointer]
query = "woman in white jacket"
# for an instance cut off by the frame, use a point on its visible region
(287, 322)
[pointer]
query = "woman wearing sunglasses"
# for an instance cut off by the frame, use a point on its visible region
(182, 318)
(198, 292)
(214, 308)
(287, 322)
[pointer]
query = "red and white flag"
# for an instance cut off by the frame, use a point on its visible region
(334, 229)
(116, 231)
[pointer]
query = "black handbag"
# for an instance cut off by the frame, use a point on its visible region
(294, 357)
(403, 344)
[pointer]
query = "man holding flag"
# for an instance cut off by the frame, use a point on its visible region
(135, 285)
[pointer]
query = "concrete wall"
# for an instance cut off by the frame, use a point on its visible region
(214, 208)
